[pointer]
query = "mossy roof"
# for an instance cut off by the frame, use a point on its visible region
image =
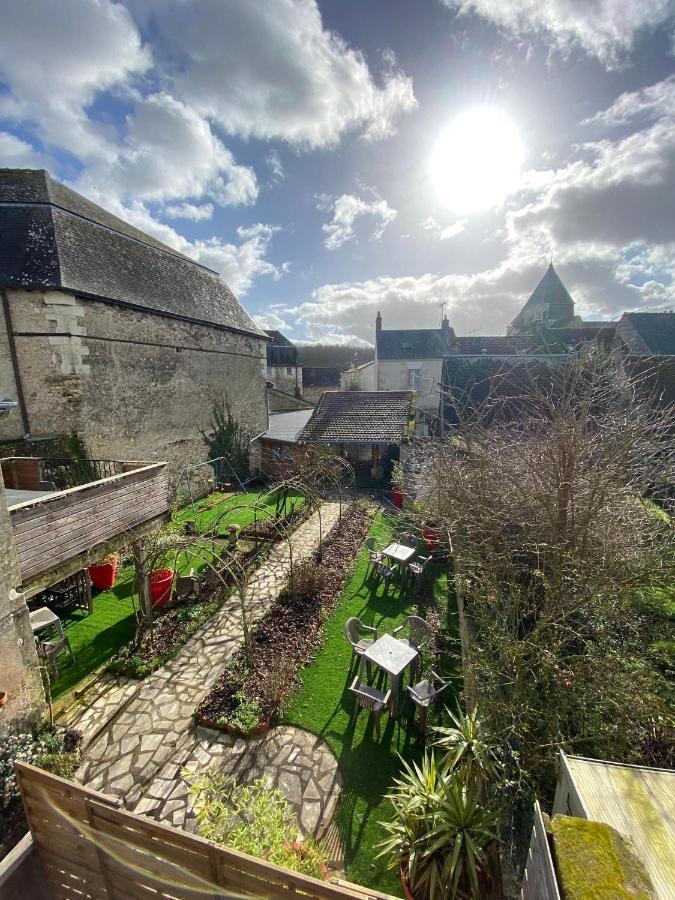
(594, 862)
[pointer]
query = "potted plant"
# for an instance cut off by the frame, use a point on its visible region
(439, 832)
(161, 581)
(431, 533)
(104, 573)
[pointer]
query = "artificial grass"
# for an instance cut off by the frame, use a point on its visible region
(95, 638)
(323, 705)
(234, 509)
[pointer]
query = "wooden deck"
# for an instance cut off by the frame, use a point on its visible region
(63, 525)
(88, 847)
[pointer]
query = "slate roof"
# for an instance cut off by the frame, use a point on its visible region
(280, 351)
(360, 417)
(550, 292)
(656, 330)
(54, 238)
(278, 339)
(411, 343)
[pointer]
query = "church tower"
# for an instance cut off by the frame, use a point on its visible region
(550, 305)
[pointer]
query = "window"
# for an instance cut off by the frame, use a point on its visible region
(414, 379)
(289, 370)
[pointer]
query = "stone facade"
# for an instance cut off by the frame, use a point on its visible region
(19, 669)
(134, 384)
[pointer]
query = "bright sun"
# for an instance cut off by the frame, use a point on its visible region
(477, 160)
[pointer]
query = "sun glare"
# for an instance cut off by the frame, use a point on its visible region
(477, 160)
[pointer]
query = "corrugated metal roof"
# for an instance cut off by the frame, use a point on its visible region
(637, 801)
(286, 426)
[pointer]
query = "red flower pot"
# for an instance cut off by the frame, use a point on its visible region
(397, 496)
(160, 586)
(431, 536)
(103, 576)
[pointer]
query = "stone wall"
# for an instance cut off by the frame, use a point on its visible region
(134, 385)
(19, 669)
(286, 378)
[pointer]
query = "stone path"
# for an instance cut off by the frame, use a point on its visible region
(153, 728)
(299, 763)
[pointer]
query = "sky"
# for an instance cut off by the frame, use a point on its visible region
(332, 159)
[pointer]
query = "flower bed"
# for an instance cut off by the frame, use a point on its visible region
(55, 750)
(275, 528)
(248, 695)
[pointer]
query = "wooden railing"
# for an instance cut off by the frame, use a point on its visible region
(89, 847)
(61, 525)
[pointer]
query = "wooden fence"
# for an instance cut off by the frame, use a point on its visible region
(59, 526)
(90, 848)
(539, 878)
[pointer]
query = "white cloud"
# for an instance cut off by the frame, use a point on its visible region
(346, 209)
(272, 322)
(192, 211)
(18, 154)
(443, 232)
(56, 57)
(652, 102)
(603, 28)
(272, 71)
(274, 164)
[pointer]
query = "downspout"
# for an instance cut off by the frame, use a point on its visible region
(15, 362)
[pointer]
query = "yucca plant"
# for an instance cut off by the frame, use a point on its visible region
(467, 750)
(439, 831)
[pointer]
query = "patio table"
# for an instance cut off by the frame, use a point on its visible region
(399, 552)
(43, 617)
(393, 657)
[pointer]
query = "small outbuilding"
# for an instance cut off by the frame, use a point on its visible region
(368, 428)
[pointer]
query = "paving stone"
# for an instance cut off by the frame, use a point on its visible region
(290, 787)
(310, 816)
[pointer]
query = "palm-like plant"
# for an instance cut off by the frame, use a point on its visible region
(439, 831)
(467, 750)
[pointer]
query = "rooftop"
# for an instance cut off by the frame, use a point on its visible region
(55, 238)
(412, 343)
(360, 417)
(657, 331)
(636, 800)
(286, 426)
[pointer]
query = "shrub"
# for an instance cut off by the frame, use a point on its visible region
(247, 714)
(61, 764)
(309, 580)
(253, 818)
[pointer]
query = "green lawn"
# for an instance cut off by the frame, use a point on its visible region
(96, 638)
(235, 509)
(324, 706)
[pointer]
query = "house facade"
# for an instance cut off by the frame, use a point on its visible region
(283, 366)
(112, 335)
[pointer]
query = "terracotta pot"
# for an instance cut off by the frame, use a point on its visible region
(431, 535)
(397, 496)
(3, 697)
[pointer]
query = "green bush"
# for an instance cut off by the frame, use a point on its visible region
(61, 764)
(253, 818)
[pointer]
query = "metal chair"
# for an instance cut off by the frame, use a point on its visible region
(407, 539)
(353, 631)
(418, 636)
(187, 586)
(385, 572)
(49, 650)
(424, 693)
(417, 567)
(371, 699)
(374, 556)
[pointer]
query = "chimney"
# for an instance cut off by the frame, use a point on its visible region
(378, 322)
(448, 333)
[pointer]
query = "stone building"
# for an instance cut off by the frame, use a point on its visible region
(110, 334)
(550, 304)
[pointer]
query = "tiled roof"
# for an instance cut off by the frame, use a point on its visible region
(54, 238)
(412, 343)
(657, 331)
(365, 417)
